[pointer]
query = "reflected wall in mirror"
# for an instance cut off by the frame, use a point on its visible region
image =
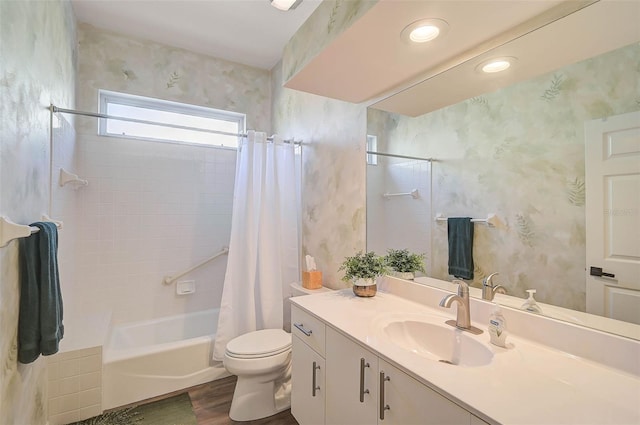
(518, 153)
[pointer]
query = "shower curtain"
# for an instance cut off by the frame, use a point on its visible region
(264, 247)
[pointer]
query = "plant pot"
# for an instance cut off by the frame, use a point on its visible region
(365, 287)
(403, 275)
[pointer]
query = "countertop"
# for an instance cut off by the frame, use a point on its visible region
(525, 383)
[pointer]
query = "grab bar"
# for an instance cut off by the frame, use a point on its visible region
(414, 194)
(168, 280)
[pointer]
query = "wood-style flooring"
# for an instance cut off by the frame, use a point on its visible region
(212, 401)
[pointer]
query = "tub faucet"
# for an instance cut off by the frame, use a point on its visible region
(488, 290)
(463, 317)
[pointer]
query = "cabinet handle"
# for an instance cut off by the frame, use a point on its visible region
(314, 386)
(383, 406)
(301, 328)
(362, 390)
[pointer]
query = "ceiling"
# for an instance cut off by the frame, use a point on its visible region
(370, 58)
(251, 32)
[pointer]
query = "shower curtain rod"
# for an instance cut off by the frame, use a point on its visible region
(54, 108)
(400, 156)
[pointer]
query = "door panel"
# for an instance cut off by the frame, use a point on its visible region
(612, 162)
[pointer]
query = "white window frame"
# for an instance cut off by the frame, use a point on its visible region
(106, 97)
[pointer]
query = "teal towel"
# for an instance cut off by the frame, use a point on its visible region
(460, 232)
(40, 327)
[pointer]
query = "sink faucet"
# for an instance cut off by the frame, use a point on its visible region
(463, 318)
(488, 290)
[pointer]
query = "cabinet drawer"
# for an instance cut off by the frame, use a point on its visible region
(308, 329)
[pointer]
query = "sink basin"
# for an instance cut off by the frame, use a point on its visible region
(438, 342)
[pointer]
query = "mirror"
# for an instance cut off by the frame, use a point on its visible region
(518, 153)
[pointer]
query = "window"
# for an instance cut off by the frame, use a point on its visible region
(372, 146)
(173, 113)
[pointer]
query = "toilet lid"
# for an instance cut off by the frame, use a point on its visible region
(261, 343)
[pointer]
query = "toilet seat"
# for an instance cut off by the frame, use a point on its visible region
(259, 344)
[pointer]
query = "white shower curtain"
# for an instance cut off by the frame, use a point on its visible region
(263, 250)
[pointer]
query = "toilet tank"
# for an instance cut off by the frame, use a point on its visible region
(297, 290)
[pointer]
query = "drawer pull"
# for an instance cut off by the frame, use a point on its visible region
(314, 386)
(362, 390)
(383, 406)
(301, 328)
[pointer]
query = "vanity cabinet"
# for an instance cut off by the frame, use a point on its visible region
(352, 382)
(364, 389)
(307, 368)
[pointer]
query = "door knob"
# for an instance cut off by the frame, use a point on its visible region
(597, 271)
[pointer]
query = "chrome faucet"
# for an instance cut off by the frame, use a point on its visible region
(463, 317)
(488, 290)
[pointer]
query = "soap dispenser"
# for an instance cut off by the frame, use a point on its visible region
(530, 304)
(497, 327)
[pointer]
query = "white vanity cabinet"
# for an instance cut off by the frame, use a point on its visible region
(352, 381)
(307, 368)
(363, 389)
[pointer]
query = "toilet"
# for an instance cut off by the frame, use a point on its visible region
(262, 362)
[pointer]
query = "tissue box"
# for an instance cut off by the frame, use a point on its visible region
(312, 280)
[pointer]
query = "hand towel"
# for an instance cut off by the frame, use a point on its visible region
(460, 233)
(40, 327)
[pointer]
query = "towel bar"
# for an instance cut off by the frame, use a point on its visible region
(490, 221)
(10, 230)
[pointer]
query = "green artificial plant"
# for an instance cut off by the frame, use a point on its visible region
(363, 266)
(403, 261)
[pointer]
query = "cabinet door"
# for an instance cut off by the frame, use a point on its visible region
(352, 388)
(307, 384)
(411, 402)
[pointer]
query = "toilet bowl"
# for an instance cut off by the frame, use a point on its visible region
(262, 362)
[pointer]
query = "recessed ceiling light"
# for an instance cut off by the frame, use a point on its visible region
(496, 65)
(424, 30)
(285, 4)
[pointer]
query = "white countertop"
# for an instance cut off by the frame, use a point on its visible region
(528, 383)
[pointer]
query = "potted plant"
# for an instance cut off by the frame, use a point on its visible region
(363, 270)
(404, 264)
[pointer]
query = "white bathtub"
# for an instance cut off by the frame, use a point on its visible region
(151, 358)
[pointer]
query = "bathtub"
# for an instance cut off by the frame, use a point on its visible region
(147, 359)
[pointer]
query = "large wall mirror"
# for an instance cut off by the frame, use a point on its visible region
(519, 153)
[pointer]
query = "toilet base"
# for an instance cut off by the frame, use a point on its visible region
(255, 400)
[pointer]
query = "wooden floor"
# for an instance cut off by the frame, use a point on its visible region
(211, 403)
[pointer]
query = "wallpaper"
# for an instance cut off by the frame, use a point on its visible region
(37, 41)
(115, 62)
(333, 176)
(519, 153)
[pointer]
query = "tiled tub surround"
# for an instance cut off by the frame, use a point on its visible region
(75, 385)
(151, 209)
(555, 373)
(75, 372)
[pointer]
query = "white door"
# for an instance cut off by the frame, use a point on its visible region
(612, 166)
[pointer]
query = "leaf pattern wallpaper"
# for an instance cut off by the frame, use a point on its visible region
(519, 153)
(37, 67)
(115, 62)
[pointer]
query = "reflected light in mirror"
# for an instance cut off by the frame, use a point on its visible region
(496, 65)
